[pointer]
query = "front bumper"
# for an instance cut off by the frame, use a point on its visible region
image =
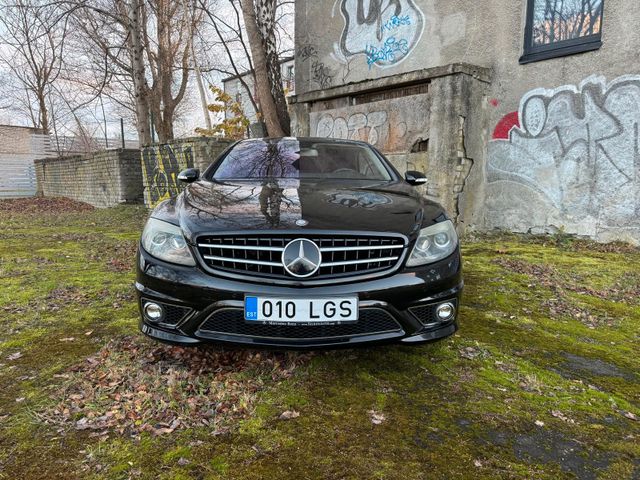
(207, 308)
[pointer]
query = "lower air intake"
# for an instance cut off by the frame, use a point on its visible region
(230, 321)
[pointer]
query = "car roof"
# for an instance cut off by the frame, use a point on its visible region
(337, 141)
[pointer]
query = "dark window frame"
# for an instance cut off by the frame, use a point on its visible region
(557, 49)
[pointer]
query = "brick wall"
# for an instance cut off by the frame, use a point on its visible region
(15, 139)
(103, 179)
(161, 164)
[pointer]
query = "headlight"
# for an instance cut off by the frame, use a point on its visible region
(434, 243)
(166, 242)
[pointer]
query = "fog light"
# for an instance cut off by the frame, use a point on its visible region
(445, 311)
(153, 311)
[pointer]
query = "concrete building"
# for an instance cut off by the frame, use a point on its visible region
(234, 87)
(524, 118)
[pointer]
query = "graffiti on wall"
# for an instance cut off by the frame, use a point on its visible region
(570, 155)
(161, 165)
(321, 74)
(371, 127)
(385, 31)
(367, 35)
(392, 126)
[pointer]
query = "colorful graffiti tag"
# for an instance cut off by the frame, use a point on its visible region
(161, 165)
(570, 157)
(385, 31)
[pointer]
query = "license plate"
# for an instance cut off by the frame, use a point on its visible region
(301, 311)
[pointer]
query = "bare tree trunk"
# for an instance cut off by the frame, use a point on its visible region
(44, 112)
(174, 30)
(268, 103)
(139, 81)
(203, 95)
(266, 21)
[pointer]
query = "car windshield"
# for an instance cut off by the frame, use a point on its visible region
(292, 158)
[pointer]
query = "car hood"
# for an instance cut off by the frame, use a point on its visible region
(337, 205)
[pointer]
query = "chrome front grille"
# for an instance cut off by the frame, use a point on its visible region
(261, 255)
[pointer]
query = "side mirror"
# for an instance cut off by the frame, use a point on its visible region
(189, 175)
(415, 178)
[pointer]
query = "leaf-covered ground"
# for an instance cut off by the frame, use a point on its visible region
(541, 381)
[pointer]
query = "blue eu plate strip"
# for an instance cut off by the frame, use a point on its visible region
(251, 308)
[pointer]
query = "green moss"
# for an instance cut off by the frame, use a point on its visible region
(465, 407)
(173, 455)
(219, 465)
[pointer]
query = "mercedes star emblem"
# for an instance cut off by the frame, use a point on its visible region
(301, 258)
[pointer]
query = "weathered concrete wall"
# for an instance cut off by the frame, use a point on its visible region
(569, 159)
(104, 179)
(347, 41)
(547, 183)
(390, 125)
(161, 164)
(421, 121)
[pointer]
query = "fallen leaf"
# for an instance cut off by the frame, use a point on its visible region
(561, 416)
(88, 333)
(539, 423)
(477, 463)
(82, 424)
(67, 339)
(183, 461)
(20, 399)
(469, 353)
(377, 417)
(162, 430)
(14, 356)
(289, 414)
(631, 416)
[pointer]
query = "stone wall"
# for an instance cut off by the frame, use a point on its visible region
(161, 164)
(103, 179)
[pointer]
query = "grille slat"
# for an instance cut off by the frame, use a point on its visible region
(368, 248)
(241, 247)
(360, 262)
(240, 260)
(231, 321)
(260, 255)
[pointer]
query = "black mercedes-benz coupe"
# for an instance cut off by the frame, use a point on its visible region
(299, 243)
